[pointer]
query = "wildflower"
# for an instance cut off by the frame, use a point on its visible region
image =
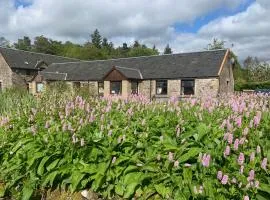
(230, 138)
(242, 140)
(187, 165)
(245, 131)
(170, 156)
(176, 164)
(258, 150)
(47, 124)
(257, 183)
(246, 197)
(224, 180)
(33, 130)
(161, 138)
(219, 175)
(241, 169)
(251, 175)
(251, 123)
(158, 157)
(113, 160)
(252, 156)
(239, 121)
(206, 160)
(227, 151)
(82, 142)
(236, 143)
(241, 159)
(200, 189)
(264, 163)
(234, 180)
(110, 133)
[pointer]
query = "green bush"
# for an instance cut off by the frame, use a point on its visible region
(251, 85)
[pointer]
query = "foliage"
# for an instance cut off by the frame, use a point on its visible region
(252, 85)
(167, 50)
(128, 148)
(97, 48)
(216, 44)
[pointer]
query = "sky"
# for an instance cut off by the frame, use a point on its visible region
(186, 25)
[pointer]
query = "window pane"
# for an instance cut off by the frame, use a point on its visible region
(187, 87)
(40, 87)
(134, 87)
(101, 87)
(161, 87)
(116, 87)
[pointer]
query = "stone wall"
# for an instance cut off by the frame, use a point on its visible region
(5, 74)
(209, 86)
(174, 88)
(18, 81)
(126, 88)
(144, 88)
(106, 88)
(226, 79)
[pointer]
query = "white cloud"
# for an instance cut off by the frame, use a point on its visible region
(149, 21)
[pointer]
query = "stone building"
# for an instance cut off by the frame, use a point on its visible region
(19, 68)
(156, 77)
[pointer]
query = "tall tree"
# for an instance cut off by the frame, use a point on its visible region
(167, 50)
(216, 44)
(4, 42)
(105, 43)
(23, 44)
(136, 44)
(96, 39)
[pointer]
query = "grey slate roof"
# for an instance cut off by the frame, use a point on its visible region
(173, 66)
(28, 60)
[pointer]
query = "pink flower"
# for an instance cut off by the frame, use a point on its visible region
(251, 175)
(242, 140)
(239, 121)
(258, 149)
(257, 183)
(241, 169)
(224, 180)
(176, 164)
(47, 124)
(236, 143)
(264, 163)
(252, 156)
(241, 159)
(230, 138)
(227, 151)
(206, 160)
(170, 156)
(219, 175)
(110, 133)
(245, 132)
(246, 197)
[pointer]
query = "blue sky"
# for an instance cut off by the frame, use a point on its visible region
(23, 3)
(203, 20)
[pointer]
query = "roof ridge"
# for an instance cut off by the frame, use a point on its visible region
(127, 58)
(13, 49)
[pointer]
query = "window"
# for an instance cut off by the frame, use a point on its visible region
(101, 88)
(134, 87)
(40, 87)
(116, 87)
(187, 87)
(161, 87)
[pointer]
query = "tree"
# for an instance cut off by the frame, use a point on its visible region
(4, 42)
(96, 39)
(167, 50)
(105, 43)
(216, 44)
(136, 44)
(23, 44)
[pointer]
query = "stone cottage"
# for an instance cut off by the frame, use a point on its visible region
(162, 76)
(18, 68)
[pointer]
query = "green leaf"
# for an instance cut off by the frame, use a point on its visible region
(50, 179)
(162, 190)
(130, 189)
(119, 189)
(260, 197)
(52, 165)
(190, 154)
(76, 178)
(99, 180)
(264, 187)
(41, 168)
(27, 191)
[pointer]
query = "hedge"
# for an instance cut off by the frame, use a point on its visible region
(251, 85)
